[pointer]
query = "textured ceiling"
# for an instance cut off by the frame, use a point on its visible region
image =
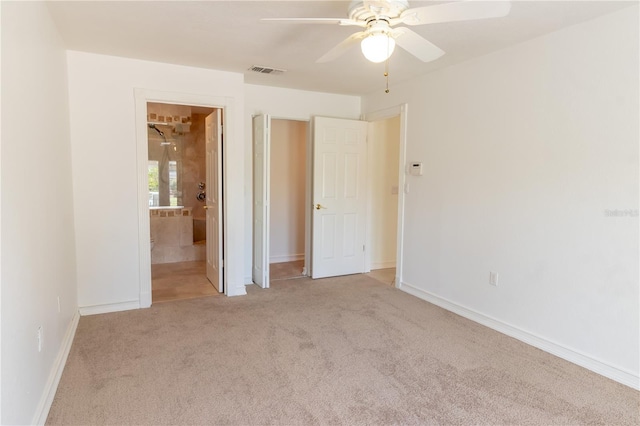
(229, 36)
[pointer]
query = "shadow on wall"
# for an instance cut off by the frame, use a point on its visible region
(199, 230)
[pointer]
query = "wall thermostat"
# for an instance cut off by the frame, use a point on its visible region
(415, 169)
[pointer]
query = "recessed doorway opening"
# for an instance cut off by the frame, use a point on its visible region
(177, 174)
(164, 187)
(342, 236)
(383, 197)
(288, 175)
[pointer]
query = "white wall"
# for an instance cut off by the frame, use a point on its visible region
(287, 190)
(103, 136)
(38, 253)
(289, 104)
(524, 151)
(384, 150)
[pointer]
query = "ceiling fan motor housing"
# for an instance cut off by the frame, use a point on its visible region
(371, 10)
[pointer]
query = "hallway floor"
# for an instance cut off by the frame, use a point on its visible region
(180, 280)
(385, 276)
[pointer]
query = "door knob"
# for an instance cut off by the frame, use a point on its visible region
(319, 206)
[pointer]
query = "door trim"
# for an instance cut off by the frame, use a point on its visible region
(402, 111)
(142, 97)
(261, 200)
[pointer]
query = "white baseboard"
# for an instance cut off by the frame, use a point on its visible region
(110, 307)
(145, 299)
(597, 366)
(383, 265)
(286, 258)
(248, 280)
(56, 373)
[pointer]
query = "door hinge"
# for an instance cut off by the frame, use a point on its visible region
(363, 247)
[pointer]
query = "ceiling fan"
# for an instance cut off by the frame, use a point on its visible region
(379, 19)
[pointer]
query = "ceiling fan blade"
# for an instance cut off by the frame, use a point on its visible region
(416, 45)
(455, 11)
(341, 48)
(336, 21)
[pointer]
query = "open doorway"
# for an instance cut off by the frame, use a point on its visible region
(337, 168)
(177, 182)
(287, 180)
(384, 164)
(280, 195)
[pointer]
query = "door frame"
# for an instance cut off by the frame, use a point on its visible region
(261, 202)
(398, 110)
(401, 111)
(142, 97)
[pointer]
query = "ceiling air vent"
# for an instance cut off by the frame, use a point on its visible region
(266, 70)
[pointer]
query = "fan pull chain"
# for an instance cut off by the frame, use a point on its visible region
(386, 75)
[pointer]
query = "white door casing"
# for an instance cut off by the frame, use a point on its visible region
(261, 173)
(213, 208)
(339, 197)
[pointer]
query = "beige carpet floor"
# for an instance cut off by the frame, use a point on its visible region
(347, 350)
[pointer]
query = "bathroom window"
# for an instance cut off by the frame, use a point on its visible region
(154, 184)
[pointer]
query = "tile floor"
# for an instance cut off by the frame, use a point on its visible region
(180, 280)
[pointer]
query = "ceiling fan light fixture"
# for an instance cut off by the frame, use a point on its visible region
(378, 47)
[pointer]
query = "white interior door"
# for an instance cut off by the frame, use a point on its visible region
(339, 197)
(261, 172)
(213, 136)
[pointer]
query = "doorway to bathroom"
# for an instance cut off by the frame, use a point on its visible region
(182, 186)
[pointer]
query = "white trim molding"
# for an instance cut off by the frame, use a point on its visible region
(109, 307)
(597, 366)
(383, 265)
(51, 386)
(286, 258)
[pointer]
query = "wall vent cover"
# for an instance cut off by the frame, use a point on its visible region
(266, 70)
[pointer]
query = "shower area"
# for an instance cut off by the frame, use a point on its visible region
(177, 191)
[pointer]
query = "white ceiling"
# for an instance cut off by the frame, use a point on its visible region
(229, 36)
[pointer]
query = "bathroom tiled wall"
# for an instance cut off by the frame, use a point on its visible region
(168, 113)
(172, 231)
(194, 168)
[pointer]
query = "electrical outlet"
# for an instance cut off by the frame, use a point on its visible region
(493, 278)
(58, 304)
(40, 339)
